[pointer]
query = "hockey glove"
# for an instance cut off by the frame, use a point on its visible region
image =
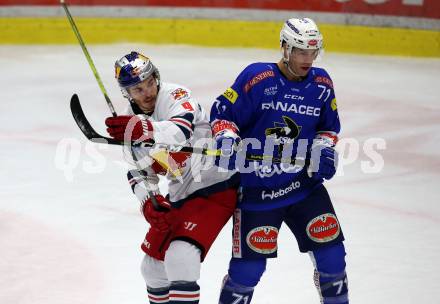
(130, 127)
(227, 142)
(161, 219)
(324, 158)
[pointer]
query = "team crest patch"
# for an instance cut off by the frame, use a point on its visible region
(263, 239)
(292, 26)
(283, 133)
(288, 130)
(324, 80)
(179, 94)
(257, 79)
(323, 228)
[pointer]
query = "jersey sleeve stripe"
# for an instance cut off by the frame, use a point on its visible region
(185, 130)
(133, 181)
(187, 117)
(182, 122)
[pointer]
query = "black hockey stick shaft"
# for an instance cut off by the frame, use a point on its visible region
(104, 92)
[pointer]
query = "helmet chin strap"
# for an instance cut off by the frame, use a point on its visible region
(286, 63)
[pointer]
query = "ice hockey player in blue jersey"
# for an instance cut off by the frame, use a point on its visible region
(282, 111)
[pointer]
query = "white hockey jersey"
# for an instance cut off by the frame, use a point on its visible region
(178, 120)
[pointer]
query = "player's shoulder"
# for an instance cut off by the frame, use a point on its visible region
(257, 68)
(320, 76)
(257, 74)
(174, 91)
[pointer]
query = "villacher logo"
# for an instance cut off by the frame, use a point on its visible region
(323, 228)
(263, 239)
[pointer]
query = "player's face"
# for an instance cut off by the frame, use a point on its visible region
(301, 60)
(144, 94)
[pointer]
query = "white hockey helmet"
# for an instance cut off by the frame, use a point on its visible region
(300, 33)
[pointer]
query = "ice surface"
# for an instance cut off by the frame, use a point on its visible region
(73, 235)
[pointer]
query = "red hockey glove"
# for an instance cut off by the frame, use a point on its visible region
(158, 219)
(129, 127)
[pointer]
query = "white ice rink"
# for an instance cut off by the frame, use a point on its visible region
(70, 230)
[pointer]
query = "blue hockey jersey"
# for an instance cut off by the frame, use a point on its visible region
(279, 118)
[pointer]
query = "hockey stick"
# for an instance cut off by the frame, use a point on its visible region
(88, 57)
(92, 135)
(85, 123)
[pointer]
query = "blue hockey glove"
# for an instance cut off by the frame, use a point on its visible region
(323, 160)
(227, 142)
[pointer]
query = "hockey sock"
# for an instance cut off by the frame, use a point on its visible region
(158, 295)
(330, 277)
(246, 272)
(234, 293)
(184, 292)
(332, 287)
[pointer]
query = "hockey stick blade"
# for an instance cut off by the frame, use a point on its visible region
(86, 128)
(80, 118)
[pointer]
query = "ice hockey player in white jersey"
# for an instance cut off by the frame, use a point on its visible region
(200, 199)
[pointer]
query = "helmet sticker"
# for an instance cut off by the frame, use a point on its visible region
(300, 33)
(292, 27)
(132, 69)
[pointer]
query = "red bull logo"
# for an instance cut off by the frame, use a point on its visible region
(179, 94)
